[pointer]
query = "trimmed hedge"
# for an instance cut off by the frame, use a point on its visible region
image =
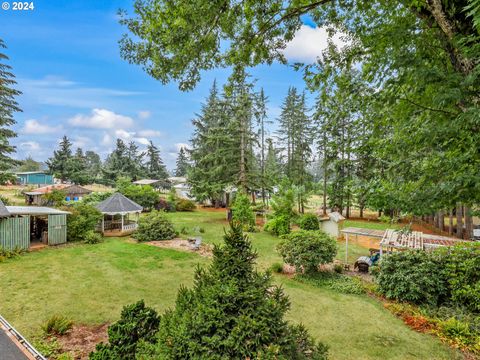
(309, 222)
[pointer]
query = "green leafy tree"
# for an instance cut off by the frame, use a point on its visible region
(29, 164)
(182, 164)
(8, 107)
(81, 221)
(232, 312)
(61, 164)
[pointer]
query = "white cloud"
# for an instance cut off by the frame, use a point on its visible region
(144, 114)
(142, 140)
(101, 119)
(33, 126)
(30, 146)
(309, 43)
(107, 140)
(148, 133)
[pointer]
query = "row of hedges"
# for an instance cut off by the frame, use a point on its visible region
(446, 275)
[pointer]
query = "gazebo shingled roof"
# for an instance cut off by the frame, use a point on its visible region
(118, 204)
(3, 210)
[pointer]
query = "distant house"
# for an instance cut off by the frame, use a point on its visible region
(34, 178)
(153, 183)
(72, 193)
(182, 188)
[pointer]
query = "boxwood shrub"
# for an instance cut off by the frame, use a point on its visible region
(309, 222)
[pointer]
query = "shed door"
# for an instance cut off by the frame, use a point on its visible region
(57, 229)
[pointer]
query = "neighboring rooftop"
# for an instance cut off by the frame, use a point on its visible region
(33, 210)
(146, 182)
(68, 189)
(3, 210)
(118, 204)
(30, 172)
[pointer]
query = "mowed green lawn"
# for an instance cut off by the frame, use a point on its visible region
(91, 283)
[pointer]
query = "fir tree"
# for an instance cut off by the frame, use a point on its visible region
(61, 164)
(232, 312)
(78, 170)
(93, 164)
(154, 166)
(182, 164)
(8, 106)
(115, 163)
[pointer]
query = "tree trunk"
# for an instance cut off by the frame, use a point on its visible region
(450, 222)
(441, 220)
(361, 211)
(459, 221)
(468, 223)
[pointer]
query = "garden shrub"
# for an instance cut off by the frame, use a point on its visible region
(413, 275)
(138, 323)
(144, 195)
(277, 268)
(57, 325)
(96, 197)
(92, 237)
(82, 219)
(185, 205)
(463, 274)
(164, 205)
(154, 226)
(338, 268)
(306, 249)
(279, 225)
(232, 312)
(309, 222)
(242, 212)
(55, 198)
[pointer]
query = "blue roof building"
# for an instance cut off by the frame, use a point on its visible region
(34, 178)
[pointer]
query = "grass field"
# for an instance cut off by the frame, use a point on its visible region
(91, 283)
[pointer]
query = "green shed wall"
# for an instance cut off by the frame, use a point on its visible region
(35, 179)
(15, 233)
(57, 229)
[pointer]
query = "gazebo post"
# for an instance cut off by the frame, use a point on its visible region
(122, 222)
(103, 224)
(346, 248)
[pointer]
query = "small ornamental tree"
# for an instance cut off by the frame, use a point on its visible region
(81, 221)
(282, 205)
(154, 226)
(242, 212)
(232, 312)
(137, 323)
(306, 250)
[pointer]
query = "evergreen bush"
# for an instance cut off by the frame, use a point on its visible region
(232, 312)
(242, 212)
(185, 205)
(309, 222)
(307, 249)
(138, 324)
(154, 226)
(279, 225)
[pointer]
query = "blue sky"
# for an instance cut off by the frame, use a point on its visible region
(66, 59)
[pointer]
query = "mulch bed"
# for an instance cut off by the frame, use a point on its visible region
(183, 245)
(82, 339)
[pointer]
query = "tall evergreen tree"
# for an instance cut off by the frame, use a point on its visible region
(262, 120)
(78, 171)
(29, 164)
(154, 166)
(114, 167)
(8, 106)
(133, 166)
(182, 164)
(61, 164)
(93, 164)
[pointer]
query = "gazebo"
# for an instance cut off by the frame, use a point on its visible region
(116, 211)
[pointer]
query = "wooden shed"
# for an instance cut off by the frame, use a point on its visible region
(72, 193)
(24, 226)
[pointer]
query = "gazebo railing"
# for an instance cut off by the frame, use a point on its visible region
(112, 225)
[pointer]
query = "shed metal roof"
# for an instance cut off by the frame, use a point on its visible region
(118, 204)
(34, 210)
(31, 172)
(3, 210)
